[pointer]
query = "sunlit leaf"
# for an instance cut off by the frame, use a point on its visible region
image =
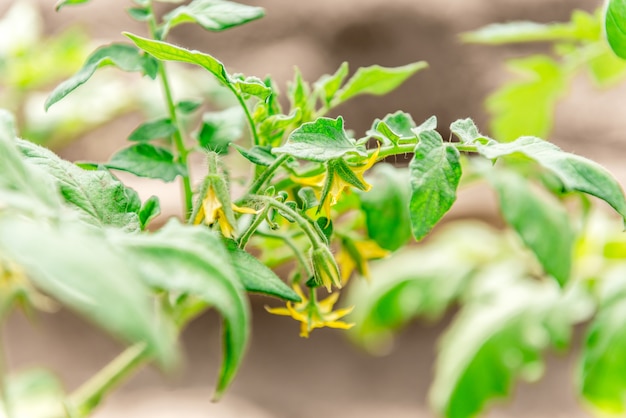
(615, 26)
(219, 129)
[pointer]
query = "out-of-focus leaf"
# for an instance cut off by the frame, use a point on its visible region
(386, 207)
(75, 264)
(34, 393)
(499, 337)
(526, 107)
(213, 15)
(574, 172)
(125, 57)
(328, 85)
(615, 26)
(435, 172)
(376, 80)
(542, 223)
(194, 261)
(63, 3)
(150, 209)
(220, 129)
(98, 197)
(146, 160)
(155, 129)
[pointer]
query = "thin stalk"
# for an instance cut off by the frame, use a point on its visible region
(88, 396)
(292, 245)
(267, 174)
(258, 220)
(179, 143)
(244, 106)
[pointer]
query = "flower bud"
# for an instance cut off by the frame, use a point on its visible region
(325, 268)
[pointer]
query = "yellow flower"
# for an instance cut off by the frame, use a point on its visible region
(355, 254)
(211, 210)
(338, 181)
(314, 314)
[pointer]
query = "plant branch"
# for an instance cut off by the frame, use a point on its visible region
(89, 395)
(267, 174)
(244, 106)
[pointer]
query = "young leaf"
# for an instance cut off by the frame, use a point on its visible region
(257, 155)
(435, 173)
(98, 197)
(322, 140)
(328, 85)
(256, 277)
(467, 132)
(168, 52)
(188, 106)
(251, 86)
(75, 264)
(575, 172)
(386, 207)
(125, 57)
(376, 80)
(393, 127)
(219, 129)
(63, 3)
(150, 209)
(213, 15)
(140, 14)
(526, 107)
(615, 26)
(542, 223)
(499, 338)
(155, 129)
(146, 160)
(194, 261)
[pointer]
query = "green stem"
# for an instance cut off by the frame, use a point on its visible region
(244, 106)
(179, 143)
(267, 174)
(88, 396)
(304, 225)
(258, 220)
(292, 245)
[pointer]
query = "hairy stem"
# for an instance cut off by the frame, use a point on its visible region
(267, 174)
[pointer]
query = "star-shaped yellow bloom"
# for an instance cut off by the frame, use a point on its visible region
(314, 314)
(354, 256)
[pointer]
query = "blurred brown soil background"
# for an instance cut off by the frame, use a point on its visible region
(285, 376)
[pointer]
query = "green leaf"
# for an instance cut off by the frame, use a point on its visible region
(394, 127)
(467, 132)
(34, 393)
(328, 85)
(213, 15)
(155, 129)
(140, 14)
(300, 98)
(541, 222)
(150, 209)
(251, 86)
(219, 129)
(258, 155)
(499, 337)
(376, 80)
(386, 207)
(322, 140)
(22, 186)
(126, 57)
(606, 68)
(146, 160)
(193, 260)
(169, 52)
(583, 27)
(188, 106)
(615, 26)
(435, 173)
(98, 197)
(602, 379)
(63, 3)
(258, 278)
(574, 172)
(526, 107)
(75, 264)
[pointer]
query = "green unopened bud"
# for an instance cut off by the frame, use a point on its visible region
(325, 268)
